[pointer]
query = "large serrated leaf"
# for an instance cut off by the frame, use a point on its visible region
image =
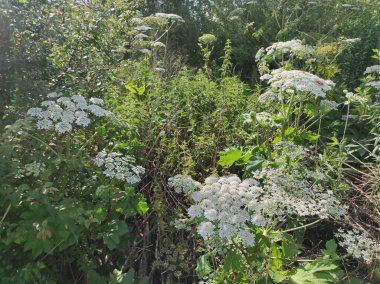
(230, 157)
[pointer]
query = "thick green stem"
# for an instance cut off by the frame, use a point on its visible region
(302, 227)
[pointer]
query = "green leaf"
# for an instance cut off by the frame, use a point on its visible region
(276, 262)
(311, 137)
(144, 280)
(116, 229)
(142, 206)
(317, 272)
(277, 139)
(289, 247)
(230, 157)
(129, 277)
(95, 278)
(289, 131)
(334, 142)
(353, 280)
(330, 250)
(280, 276)
(233, 262)
(252, 166)
(136, 90)
(203, 267)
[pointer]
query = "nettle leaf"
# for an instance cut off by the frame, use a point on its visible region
(203, 266)
(230, 157)
(46, 229)
(317, 272)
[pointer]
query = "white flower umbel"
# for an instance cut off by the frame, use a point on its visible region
(374, 84)
(265, 119)
(282, 52)
(61, 113)
(292, 192)
(33, 169)
(183, 184)
(173, 17)
(63, 127)
(206, 229)
(294, 47)
(359, 245)
(274, 194)
(327, 105)
(222, 202)
(285, 80)
(372, 69)
(354, 98)
(120, 167)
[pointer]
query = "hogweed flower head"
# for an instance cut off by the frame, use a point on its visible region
(231, 205)
(354, 98)
(374, 84)
(120, 167)
(221, 202)
(183, 184)
(327, 105)
(359, 245)
(62, 113)
(293, 48)
(285, 80)
(372, 69)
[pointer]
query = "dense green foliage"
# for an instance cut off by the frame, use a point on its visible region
(137, 103)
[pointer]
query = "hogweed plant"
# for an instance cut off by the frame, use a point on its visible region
(71, 197)
(286, 188)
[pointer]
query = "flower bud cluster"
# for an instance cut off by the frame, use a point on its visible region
(183, 184)
(62, 112)
(33, 169)
(120, 167)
